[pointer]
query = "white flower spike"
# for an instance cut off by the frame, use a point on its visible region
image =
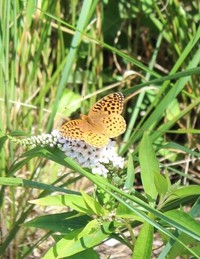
(86, 155)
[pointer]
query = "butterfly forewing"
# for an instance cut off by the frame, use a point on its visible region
(112, 103)
(73, 129)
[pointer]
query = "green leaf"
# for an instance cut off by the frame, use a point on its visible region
(185, 220)
(172, 110)
(11, 181)
(130, 174)
(178, 250)
(173, 145)
(181, 192)
(75, 202)
(76, 242)
(161, 184)
(143, 244)
(94, 205)
(65, 105)
(30, 11)
(195, 211)
(88, 253)
(62, 222)
(89, 228)
(124, 212)
(2, 141)
(149, 167)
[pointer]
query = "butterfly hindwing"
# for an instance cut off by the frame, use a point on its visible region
(114, 125)
(95, 139)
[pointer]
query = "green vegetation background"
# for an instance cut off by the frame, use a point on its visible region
(54, 55)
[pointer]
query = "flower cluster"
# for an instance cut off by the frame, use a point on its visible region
(97, 159)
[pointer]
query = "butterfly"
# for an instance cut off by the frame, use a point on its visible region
(104, 121)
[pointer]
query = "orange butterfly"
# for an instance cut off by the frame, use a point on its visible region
(102, 122)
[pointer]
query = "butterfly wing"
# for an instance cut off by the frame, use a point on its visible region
(112, 103)
(95, 139)
(73, 129)
(114, 125)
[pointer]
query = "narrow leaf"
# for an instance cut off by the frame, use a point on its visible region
(130, 174)
(149, 167)
(143, 245)
(75, 202)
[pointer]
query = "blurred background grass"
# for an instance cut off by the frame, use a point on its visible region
(48, 69)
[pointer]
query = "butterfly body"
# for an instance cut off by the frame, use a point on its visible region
(102, 122)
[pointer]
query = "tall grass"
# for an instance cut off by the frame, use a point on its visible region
(57, 59)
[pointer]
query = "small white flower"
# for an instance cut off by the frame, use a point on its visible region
(100, 169)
